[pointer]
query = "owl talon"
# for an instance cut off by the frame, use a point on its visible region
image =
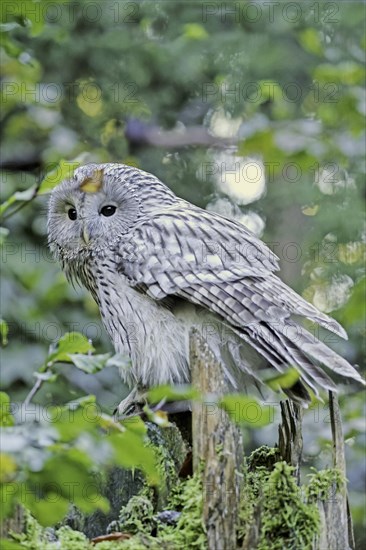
(132, 405)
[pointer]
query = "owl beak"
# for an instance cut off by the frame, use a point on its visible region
(85, 235)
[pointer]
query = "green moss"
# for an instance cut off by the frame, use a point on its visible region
(219, 449)
(324, 484)
(138, 542)
(289, 516)
(137, 516)
(170, 452)
(167, 473)
(287, 520)
(72, 540)
(256, 472)
(189, 531)
(265, 457)
(33, 533)
(110, 545)
(37, 537)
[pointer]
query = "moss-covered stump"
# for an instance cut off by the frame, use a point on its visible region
(275, 514)
(180, 526)
(122, 485)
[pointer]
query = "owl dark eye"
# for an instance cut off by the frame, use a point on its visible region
(108, 210)
(72, 214)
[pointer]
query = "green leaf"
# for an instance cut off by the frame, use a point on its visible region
(8, 27)
(131, 452)
(48, 511)
(119, 360)
(284, 380)
(135, 424)
(28, 14)
(264, 141)
(4, 332)
(92, 501)
(75, 418)
(70, 343)
(243, 409)
(62, 171)
(65, 472)
(8, 468)
(195, 31)
(7, 544)
(160, 418)
(354, 313)
(89, 363)
(346, 72)
(4, 232)
(172, 393)
(18, 196)
(84, 401)
(6, 418)
(310, 41)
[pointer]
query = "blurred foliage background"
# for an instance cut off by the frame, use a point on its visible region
(254, 109)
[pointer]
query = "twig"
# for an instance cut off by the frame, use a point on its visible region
(33, 391)
(40, 381)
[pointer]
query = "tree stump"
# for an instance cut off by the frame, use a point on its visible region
(217, 449)
(290, 441)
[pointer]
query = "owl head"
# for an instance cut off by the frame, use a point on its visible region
(99, 205)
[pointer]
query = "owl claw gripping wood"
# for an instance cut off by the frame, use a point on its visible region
(157, 265)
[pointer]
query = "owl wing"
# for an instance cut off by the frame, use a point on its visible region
(218, 264)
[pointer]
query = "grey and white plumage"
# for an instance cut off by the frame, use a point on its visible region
(159, 265)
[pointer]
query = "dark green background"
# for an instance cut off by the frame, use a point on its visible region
(90, 80)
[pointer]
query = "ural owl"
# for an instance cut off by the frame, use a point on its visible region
(157, 265)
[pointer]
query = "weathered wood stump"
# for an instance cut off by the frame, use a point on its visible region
(290, 441)
(217, 450)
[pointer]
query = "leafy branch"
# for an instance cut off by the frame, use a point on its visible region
(73, 348)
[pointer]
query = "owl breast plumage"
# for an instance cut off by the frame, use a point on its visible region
(158, 265)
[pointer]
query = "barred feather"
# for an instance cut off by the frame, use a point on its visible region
(161, 265)
(210, 269)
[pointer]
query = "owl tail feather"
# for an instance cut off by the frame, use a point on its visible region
(288, 344)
